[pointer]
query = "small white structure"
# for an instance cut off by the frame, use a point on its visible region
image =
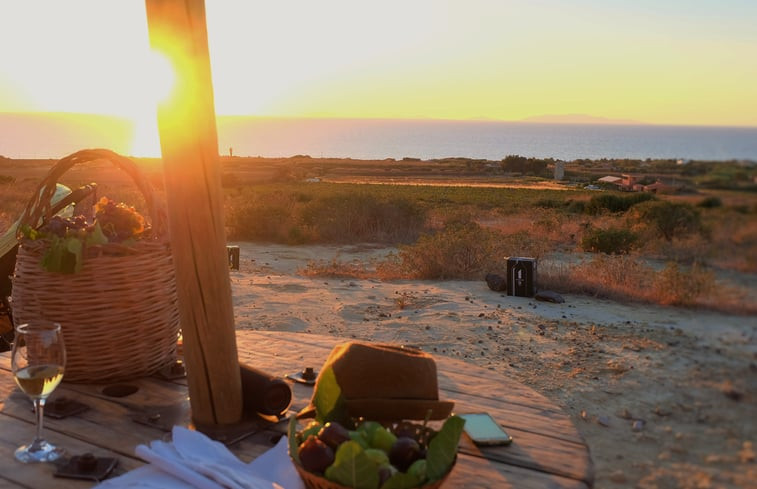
(559, 170)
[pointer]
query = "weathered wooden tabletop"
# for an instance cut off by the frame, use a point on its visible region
(547, 451)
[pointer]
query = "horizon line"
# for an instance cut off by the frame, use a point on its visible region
(596, 120)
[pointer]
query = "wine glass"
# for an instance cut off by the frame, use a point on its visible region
(38, 360)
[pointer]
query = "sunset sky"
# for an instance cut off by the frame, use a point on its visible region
(652, 61)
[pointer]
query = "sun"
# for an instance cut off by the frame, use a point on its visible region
(156, 82)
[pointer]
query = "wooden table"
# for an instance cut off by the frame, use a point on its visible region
(547, 451)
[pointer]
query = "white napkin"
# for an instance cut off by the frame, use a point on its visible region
(194, 461)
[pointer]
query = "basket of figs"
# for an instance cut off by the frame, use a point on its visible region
(368, 454)
(378, 422)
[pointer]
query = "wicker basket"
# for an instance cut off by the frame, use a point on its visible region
(313, 481)
(119, 314)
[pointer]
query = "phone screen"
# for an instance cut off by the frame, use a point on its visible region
(483, 430)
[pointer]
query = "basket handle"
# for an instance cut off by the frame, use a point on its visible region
(39, 205)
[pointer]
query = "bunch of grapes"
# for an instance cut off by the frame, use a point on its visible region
(118, 222)
(65, 226)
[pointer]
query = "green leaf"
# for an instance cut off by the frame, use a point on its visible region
(353, 468)
(292, 434)
(96, 237)
(327, 399)
(29, 232)
(74, 246)
(443, 448)
(401, 480)
(57, 258)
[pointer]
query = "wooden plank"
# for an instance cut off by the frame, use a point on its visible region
(459, 380)
(534, 460)
(105, 424)
(15, 433)
(189, 145)
(533, 426)
(518, 393)
(471, 472)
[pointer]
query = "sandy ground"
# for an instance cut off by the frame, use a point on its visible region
(665, 397)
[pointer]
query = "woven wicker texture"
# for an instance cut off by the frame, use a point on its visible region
(313, 481)
(119, 314)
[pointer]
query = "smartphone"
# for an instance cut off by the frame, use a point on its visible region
(483, 430)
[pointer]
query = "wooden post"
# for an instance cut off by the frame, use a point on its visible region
(189, 145)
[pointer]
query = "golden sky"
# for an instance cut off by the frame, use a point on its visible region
(653, 61)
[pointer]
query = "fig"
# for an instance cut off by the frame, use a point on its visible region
(333, 434)
(385, 472)
(404, 452)
(315, 455)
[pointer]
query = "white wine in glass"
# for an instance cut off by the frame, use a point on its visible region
(38, 361)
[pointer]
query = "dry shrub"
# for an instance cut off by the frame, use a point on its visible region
(626, 278)
(361, 217)
(462, 251)
(733, 241)
(265, 218)
(615, 241)
(338, 269)
(680, 287)
(13, 200)
(612, 277)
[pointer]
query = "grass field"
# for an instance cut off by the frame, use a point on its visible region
(458, 218)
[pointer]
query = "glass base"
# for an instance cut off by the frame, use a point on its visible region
(39, 451)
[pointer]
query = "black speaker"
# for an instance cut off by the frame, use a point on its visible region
(521, 276)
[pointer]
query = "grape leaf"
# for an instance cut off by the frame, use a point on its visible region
(353, 468)
(58, 258)
(293, 440)
(96, 237)
(443, 448)
(402, 480)
(328, 400)
(74, 246)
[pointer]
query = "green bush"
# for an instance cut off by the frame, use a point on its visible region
(361, 217)
(668, 219)
(459, 251)
(264, 218)
(613, 241)
(710, 202)
(615, 203)
(577, 207)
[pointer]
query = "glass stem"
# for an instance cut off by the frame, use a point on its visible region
(39, 407)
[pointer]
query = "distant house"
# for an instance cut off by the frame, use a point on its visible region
(611, 179)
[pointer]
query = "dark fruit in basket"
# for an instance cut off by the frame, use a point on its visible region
(333, 434)
(385, 472)
(404, 452)
(315, 456)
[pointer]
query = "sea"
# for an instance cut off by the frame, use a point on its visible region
(37, 137)
(430, 139)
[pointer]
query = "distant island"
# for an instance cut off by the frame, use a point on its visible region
(579, 119)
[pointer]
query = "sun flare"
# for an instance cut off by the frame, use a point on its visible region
(156, 80)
